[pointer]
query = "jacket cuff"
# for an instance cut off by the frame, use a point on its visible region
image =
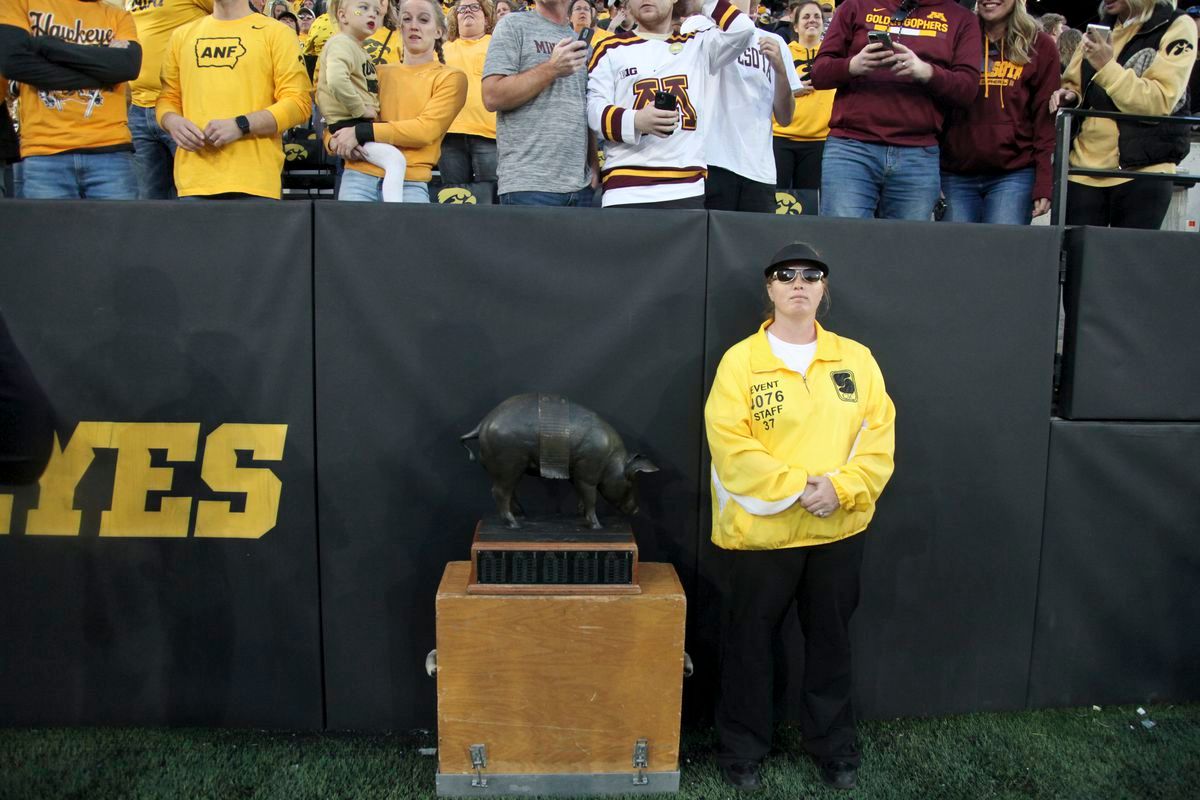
(844, 499)
(364, 132)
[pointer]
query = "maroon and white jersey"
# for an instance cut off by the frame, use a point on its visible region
(624, 73)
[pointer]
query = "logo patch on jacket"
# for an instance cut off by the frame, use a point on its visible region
(1179, 47)
(847, 389)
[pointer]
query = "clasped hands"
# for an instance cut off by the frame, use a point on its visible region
(819, 497)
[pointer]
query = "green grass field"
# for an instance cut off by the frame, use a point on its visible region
(1072, 753)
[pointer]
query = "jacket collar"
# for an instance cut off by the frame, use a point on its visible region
(763, 359)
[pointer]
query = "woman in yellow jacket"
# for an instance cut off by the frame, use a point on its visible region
(1142, 67)
(417, 102)
(801, 432)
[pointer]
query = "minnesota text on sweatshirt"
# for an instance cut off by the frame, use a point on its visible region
(880, 107)
(1009, 126)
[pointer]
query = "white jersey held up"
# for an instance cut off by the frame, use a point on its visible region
(739, 137)
(624, 73)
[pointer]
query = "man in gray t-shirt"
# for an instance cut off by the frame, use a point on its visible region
(534, 78)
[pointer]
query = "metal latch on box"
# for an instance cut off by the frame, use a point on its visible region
(641, 762)
(479, 761)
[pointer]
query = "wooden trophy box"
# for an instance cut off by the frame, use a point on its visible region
(567, 694)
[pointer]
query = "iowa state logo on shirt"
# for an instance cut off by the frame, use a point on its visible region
(219, 51)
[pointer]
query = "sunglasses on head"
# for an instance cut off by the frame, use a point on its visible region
(789, 274)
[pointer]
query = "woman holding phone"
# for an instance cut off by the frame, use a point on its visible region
(800, 144)
(1141, 67)
(996, 153)
(802, 435)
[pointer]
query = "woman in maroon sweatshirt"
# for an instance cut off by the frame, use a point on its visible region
(881, 157)
(996, 154)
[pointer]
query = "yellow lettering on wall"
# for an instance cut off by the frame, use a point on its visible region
(55, 514)
(262, 487)
(135, 478)
(6, 503)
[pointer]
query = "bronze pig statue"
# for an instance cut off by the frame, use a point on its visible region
(548, 435)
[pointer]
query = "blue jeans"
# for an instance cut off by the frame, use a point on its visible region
(581, 198)
(153, 155)
(1005, 199)
(72, 176)
(363, 188)
(864, 180)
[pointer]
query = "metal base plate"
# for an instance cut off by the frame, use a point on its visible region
(557, 785)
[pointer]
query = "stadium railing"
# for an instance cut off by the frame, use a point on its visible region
(1062, 149)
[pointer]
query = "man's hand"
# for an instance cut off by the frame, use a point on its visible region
(1041, 206)
(660, 122)
(805, 89)
(908, 65)
(770, 49)
(184, 132)
(1063, 98)
(345, 143)
(869, 59)
(567, 57)
(820, 498)
(220, 132)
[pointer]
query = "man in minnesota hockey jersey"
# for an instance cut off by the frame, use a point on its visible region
(655, 156)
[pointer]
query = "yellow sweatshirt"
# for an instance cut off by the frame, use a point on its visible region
(418, 103)
(61, 120)
(347, 85)
(1155, 92)
(810, 120)
(156, 20)
(220, 69)
(468, 55)
(770, 429)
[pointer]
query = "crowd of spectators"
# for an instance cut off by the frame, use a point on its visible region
(881, 108)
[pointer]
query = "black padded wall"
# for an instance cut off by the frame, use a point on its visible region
(1132, 325)
(1117, 596)
(961, 320)
(606, 308)
(165, 570)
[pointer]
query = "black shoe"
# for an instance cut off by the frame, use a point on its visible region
(839, 774)
(742, 775)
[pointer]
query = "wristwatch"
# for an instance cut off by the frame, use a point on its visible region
(243, 124)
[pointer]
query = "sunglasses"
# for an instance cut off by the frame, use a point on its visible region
(789, 274)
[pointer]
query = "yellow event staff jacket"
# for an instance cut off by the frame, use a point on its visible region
(770, 428)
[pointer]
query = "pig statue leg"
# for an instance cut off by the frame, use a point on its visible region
(587, 502)
(503, 495)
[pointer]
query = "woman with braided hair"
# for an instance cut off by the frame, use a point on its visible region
(418, 100)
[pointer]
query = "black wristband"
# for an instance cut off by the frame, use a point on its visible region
(243, 124)
(364, 132)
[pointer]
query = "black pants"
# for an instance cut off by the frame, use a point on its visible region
(467, 159)
(728, 191)
(1133, 204)
(824, 580)
(797, 164)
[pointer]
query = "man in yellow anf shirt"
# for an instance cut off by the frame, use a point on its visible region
(231, 83)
